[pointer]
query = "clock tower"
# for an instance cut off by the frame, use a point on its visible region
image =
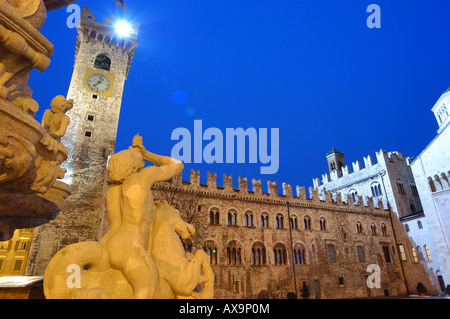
(102, 61)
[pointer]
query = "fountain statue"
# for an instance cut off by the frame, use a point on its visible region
(141, 256)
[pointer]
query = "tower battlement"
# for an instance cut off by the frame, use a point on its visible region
(104, 31)
(383, 158)
(255, 192)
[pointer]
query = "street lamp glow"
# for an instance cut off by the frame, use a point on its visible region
(123, 28)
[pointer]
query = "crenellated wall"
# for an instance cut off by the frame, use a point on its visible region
(246, 230)
(255, 193)
(384, 158)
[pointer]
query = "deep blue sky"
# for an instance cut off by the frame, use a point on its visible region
(311, 68)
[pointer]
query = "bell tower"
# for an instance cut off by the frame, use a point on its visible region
(103, 57)
(335, 161)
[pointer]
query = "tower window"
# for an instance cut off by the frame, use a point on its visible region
(90, 118)
(376, 189)
(94, 96)
(88, 133)
(102, 62)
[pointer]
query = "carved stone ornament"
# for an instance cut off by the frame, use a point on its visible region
(30, 155)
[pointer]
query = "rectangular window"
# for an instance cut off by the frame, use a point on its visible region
(88, 133)
(427, 250)
(360, 251)
(90, 117)
(401, 249)
(18, 264)
(387, 255)
(414, 254)
(3, 245)
(331, 253)
(22, 245)
(341, 281)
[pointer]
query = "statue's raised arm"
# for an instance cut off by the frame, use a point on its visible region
(165, 167)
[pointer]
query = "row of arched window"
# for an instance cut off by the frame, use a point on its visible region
(419, 225)
(249, 220)
(294, 222)
(373, 228)
(418, 254)
(259, 255)
(234, 253)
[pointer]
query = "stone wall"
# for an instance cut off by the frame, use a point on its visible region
(250, 276)
(432, 171)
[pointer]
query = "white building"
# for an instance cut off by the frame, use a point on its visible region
(389, 180)
(431, 171)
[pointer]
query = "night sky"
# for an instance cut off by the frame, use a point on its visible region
(311, 68)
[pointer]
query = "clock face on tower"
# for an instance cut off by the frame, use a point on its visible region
(98, 83)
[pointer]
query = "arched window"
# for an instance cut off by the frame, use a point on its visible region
(431, 184)
(359, 228)
(299, 254)
(307, 222)
(414, 254)
(232, 218)
(210, 248)
(323, 224)
(293, 222)
(258, 254)
(214, 217)
(280, 254)
(264, 220)
(419, 253)
(383, 229)
(249, 219)
(234, 253)
(373, 229)
(353, 194)
(427, 251)
(103, 62)
(401, 187)
(419, 224)
(279, 220)
(407, 227)
(376, 189)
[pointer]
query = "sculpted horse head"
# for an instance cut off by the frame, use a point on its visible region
(181, 273)
(163, 212)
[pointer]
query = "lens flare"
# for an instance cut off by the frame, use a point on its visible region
(123, 28)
